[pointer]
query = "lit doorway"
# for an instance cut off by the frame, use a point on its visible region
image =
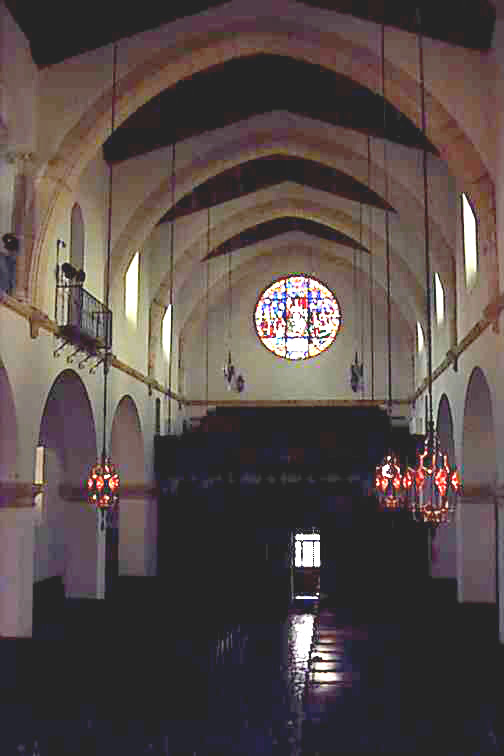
(306, 565)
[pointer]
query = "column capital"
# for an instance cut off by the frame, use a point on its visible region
(17, 157)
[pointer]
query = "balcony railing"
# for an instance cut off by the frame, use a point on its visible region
(82, 317)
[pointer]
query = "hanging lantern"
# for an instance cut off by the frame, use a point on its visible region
(103, 480)
(435, 486)
(390, 485)
(103, 490)
(229, 372)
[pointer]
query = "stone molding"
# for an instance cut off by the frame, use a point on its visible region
(19, 158)
(140, 491)
(478, 493)
(15, 494)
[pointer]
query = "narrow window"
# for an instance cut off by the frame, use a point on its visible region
(131, 290)
(440, 300)
(77, 238)
(470, 242)
(166, 331)
(420, 336)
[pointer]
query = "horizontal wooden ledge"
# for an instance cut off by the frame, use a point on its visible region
(18, 494)
(478, 492)
(38, 319)
(69, 492)
(294, 402)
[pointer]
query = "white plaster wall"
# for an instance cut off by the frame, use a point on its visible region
(18, 85)
(51, 540)
(32, 370)
(269, 377)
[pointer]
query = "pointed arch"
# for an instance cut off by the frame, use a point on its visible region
(199, 51)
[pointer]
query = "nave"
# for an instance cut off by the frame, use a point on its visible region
(392, 672)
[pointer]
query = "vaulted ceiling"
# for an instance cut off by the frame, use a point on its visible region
(58, 29)
(208, 105)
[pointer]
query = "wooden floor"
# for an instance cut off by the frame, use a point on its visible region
(397, 687)
(420, 678)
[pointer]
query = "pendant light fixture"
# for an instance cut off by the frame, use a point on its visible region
(207, 325)
(103, 479)
(388, 479)
(229, 369)
(434, 486)
(371, 275)
(234, 381)
(357, 368)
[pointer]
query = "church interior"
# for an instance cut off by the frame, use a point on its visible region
(251, 395)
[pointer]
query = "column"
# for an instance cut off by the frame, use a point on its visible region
(7, 177)
(17, 542)
(499, 511)
(476, 547)
(137, 531)
(22, 218)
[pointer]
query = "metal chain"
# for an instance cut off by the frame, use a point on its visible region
(387, 225)
(172, 267)
(426, 222)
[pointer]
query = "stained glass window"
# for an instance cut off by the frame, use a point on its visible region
(297, 317)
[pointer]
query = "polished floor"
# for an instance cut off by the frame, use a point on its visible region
(325, 680)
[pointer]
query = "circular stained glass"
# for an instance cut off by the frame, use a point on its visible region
(297, 317)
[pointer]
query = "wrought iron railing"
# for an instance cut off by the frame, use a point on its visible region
(83, 315)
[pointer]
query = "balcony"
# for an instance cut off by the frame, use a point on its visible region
(82, 319)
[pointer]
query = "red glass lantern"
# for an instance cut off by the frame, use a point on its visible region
(103, 489)
(390, 485)
(435, 487)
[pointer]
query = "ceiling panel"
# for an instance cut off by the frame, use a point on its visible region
(272, 170)
(277, 226)
(58, 29)
(245, 87)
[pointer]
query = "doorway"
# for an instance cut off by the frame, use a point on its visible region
(306, 564)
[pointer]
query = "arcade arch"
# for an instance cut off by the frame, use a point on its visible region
(67, 540)
(8, 428)
(127, 451)
(444, 562)
(476, 521)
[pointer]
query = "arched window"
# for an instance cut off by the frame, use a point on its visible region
(420, 336)
(77, 238)
(440, 299)
(470, 228)
(166, 331)
(131, 290)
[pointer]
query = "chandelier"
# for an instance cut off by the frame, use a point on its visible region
(103, 479)
(390, 483)
(434, 485)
